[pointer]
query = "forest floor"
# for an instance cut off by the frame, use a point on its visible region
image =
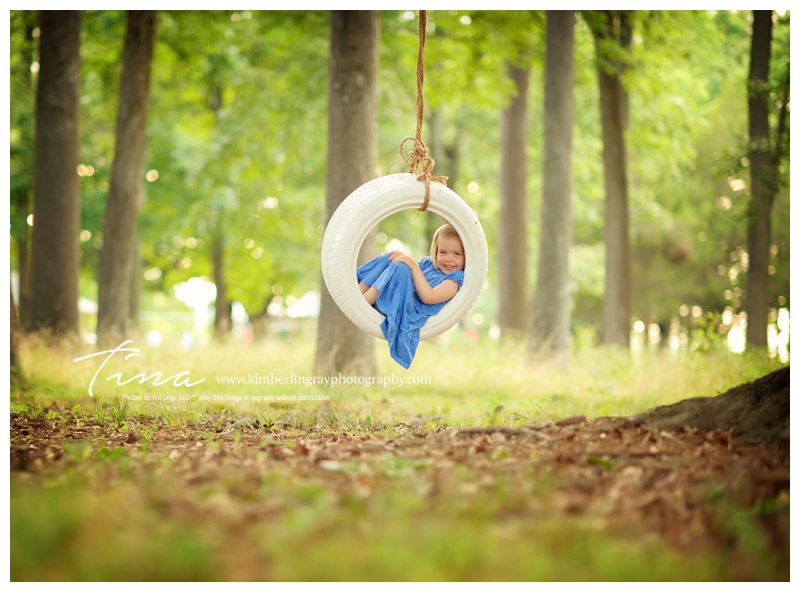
(605, 499)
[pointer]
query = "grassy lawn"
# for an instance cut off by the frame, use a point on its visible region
(275, 478)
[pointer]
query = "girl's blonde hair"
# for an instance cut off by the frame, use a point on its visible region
(447, 231)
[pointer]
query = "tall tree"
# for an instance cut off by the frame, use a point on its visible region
(222, 304)
(15, 365)
(23, 90)
(610, 28)
(219, 177)
(551, 306)
(512, 243)
(117, 258)
(764, 160)
(352, 160)
(56, 209)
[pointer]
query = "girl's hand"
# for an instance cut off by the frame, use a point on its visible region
(400, 257)
(444, 291)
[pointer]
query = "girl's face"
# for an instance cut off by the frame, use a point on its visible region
(449, 254)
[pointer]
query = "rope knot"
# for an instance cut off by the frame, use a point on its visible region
(417, 158)
(421, 165)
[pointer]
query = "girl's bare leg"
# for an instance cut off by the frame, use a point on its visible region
(371, 295)
(363, 287)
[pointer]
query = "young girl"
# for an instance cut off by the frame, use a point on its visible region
(408, 293)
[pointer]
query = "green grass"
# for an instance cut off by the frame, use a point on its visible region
(105, 512)
(74, 532)
(461, 384)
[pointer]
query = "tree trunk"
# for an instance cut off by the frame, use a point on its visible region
(762, 182)
(437, 152)
(513, 248)
(617, 300)
(55, 257)
(135, 287)
(755, 412)
(22, 198)
(117, 258)
(551, 305)
(352, 160)
(17, 375)
(452, 149)
(446, 152)
(22, 240)
(222, 305)
(259, 321)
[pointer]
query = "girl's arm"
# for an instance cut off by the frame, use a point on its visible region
(444, 291)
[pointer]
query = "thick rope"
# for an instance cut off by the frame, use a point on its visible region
(418, 160)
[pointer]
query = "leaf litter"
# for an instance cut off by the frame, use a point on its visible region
(609, 474)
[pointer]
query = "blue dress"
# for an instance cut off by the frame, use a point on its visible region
(398, 301)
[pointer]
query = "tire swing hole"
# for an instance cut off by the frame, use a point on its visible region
(362, 211)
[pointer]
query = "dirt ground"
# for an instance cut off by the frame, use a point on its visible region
(680, 485)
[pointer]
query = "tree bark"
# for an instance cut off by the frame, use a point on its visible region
(513, 248)
(17, 375)
(135, 288)
(117, 258)
(551, 306)
(754, 412)
(447, 154)
(22, 241)
(222, 305)
(352, 160)
(436, 144)
(617, 299)
(55, 255)
(763, 182)
(21, 199)
(260, 321)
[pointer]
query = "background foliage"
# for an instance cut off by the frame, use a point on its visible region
(237, 140)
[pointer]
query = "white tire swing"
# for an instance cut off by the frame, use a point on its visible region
(361, 212)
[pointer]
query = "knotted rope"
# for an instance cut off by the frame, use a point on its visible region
(417, 158)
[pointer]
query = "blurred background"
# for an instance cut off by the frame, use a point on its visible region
(231, 201)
